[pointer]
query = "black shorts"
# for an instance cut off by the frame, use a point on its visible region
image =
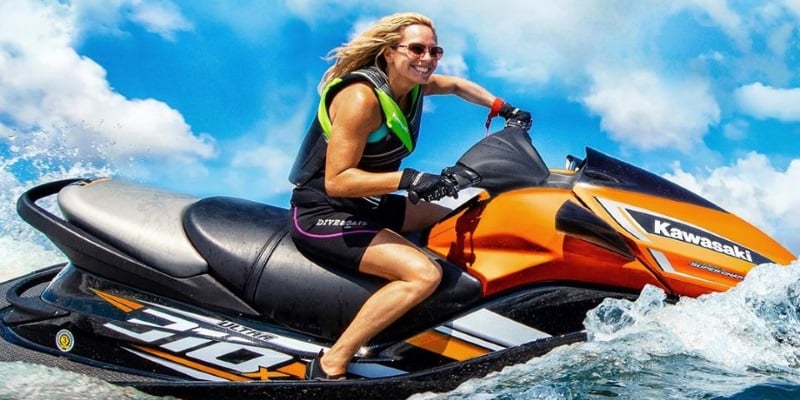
(334, 231)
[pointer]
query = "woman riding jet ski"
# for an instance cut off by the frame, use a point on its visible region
(343, 209)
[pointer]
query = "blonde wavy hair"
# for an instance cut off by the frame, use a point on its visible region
(367, 48)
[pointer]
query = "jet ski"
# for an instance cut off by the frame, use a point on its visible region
(208, 297)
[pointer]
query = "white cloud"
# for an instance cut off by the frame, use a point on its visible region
(793, 6)
(767, 102)
(781, 39)
(453, 64)
(641, 110)
(46, 87)
(755, 190)
(724, 17)
(736, 129)
(161, 17)
(260, 170)
(261, 161)
(531, 43)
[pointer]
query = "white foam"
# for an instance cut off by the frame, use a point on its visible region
(755, 325)
(24, 163)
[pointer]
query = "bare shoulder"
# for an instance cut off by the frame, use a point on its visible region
(357, 105)
(358, 94)
(358, 97)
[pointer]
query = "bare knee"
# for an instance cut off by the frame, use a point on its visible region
(392, 257)
(426, 275)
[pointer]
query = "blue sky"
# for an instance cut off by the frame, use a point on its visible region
(213, 97)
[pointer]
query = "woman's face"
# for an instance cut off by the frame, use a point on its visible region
(411, 58)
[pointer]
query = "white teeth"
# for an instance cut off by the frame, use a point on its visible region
(423, 70)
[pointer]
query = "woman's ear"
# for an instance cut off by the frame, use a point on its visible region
(384, 57)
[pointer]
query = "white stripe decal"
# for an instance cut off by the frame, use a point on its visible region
(496, 328)
(469, 338)
(623, 219)
(180, 368)
(662, 261)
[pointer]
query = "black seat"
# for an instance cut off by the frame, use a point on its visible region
(234, 236)
(247, 246)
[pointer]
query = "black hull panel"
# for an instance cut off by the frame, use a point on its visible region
(41, 348)
(440, 379)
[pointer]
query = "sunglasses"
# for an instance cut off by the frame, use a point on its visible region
(418, 49)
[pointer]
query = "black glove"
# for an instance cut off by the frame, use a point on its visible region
(462, 176)
(427, 187)
(516, 117)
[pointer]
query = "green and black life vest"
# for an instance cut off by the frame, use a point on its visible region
(385, 148)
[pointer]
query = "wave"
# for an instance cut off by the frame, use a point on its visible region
(721, 345)
(26, 161)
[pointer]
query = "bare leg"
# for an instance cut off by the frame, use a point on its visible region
(413, 277)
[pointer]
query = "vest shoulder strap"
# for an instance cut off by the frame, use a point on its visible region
(393, 115)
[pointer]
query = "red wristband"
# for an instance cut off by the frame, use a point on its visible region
(496, 106)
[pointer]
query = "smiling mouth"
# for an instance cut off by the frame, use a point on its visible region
(423, 69)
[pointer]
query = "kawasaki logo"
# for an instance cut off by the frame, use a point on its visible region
(668, 228)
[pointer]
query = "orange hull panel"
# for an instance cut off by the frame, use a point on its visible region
(513, 239)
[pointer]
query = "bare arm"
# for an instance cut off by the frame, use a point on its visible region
(466, 89)
(355, 113)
